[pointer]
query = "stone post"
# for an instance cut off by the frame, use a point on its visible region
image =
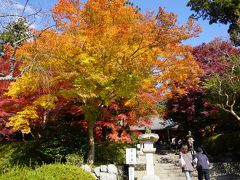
(149, 150)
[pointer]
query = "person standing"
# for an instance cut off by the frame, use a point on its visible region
(201, 160)
(190, 141)
(186, 156)
(173, 143)
(179, 143)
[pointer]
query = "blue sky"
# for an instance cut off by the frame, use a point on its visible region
(176, 6)
(209, 32)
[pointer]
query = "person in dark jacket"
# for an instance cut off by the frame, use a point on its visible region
(201, 160)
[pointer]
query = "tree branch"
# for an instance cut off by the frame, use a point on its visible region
(10, 77)
(25, 5)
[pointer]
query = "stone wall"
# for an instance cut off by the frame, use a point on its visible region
(225, 168)
(104, 172)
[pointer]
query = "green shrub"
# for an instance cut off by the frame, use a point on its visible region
(54, 149)
(76, 159)
(212, 142)
(111, 152)
(54, 146)
(34, 153)
(18, 153)
(47, 172)
(62, 141)
(222, 143)
(5, 157)
(16, 172)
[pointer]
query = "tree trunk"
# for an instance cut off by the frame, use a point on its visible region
(91, 152)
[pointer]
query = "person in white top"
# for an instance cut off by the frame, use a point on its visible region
(186, 157)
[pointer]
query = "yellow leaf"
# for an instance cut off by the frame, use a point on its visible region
(21, 120)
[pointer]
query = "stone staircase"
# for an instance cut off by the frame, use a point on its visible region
(169, 172)
(166, 168)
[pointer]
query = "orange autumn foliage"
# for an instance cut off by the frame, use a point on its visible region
(102, 51)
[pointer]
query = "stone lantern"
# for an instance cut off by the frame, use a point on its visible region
(148, 139)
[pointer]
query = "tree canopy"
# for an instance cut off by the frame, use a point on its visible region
(201, 108)
(224, 88)
(103, 52)
(223, 11)
(220, 60)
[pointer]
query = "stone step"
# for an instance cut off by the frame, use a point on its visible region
(172, 178)
(177, 178)
(173, 174)
(169, 172)
(167, 166)
(165, 174)
(181, 176)
(169, 177)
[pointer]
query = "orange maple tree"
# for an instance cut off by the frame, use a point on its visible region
(103, 51)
